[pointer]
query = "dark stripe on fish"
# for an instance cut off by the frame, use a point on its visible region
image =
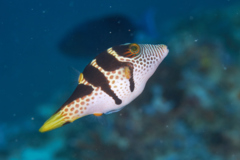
(121, 49)
(131, 79)
(97, 79)
(109, 63)
(79, 92)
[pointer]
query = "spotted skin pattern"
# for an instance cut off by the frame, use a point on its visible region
(111, 81)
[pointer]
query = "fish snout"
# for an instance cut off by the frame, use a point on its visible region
(162, 51)
(154, 52)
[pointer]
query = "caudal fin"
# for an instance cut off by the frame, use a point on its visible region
(55, 121)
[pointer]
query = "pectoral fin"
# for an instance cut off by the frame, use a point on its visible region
(127, 72)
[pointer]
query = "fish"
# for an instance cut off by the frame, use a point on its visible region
(109, 82)
(95, 35)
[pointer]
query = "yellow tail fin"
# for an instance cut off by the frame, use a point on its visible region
(55, 121)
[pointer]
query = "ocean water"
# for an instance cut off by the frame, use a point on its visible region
(189, 109)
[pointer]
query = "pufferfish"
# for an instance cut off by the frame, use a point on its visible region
(111, 81)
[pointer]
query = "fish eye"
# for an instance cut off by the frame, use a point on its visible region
(134, 48)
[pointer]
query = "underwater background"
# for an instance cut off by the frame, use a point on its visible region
(189, 109)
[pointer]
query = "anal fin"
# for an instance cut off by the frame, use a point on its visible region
(97, 114)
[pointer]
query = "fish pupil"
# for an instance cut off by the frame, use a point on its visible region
(134, 48)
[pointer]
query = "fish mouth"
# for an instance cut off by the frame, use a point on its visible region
(55, 121)
(163, 49)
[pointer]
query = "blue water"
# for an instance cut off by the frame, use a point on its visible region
(35, 74)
